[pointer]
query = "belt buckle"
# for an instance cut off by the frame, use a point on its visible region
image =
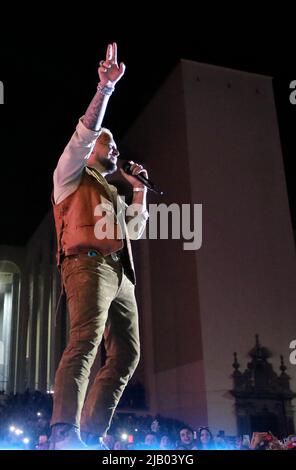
(115, 256)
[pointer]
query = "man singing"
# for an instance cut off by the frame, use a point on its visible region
(97, 273)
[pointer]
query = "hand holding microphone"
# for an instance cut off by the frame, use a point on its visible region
(131, 171)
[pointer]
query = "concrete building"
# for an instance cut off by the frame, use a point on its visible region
(29, 292)
(210, 137)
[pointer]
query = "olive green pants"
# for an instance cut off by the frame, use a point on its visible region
(101, 301)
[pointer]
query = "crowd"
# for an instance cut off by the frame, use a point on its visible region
(25, 418)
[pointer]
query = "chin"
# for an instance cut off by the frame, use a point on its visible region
(109, 166)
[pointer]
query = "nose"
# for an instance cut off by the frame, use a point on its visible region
(115, 152)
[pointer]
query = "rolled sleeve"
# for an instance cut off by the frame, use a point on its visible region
(73, 159)
(86, 136)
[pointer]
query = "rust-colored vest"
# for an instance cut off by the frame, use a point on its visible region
(75, 222)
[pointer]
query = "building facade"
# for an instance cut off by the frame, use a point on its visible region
(209, 136)
(31, 337)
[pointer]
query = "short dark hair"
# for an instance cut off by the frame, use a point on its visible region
(186, 427)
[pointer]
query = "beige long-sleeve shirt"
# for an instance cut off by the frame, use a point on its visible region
(67, 175)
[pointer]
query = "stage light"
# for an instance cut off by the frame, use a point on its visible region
(124, 436)
(26, 440)
(12, 428)
(39, 414)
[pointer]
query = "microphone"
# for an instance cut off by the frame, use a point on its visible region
(148, 183)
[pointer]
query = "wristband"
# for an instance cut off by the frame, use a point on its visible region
(138, 190)
(105, 90)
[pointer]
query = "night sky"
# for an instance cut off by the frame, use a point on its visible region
(50, 76)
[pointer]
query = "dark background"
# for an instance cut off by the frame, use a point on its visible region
(49, 69)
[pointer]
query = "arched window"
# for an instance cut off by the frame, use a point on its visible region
(9, 308)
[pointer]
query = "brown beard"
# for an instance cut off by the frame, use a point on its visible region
(108, 165)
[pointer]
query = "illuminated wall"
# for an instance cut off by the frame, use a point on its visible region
(210, 136)
(30, 342)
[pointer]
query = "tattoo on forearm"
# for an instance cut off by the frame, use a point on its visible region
(95, 112)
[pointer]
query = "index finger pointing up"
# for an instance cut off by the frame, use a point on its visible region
(109, 52)
(114, 53)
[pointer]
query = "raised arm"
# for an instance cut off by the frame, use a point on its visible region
(109, 74)
(73, 159)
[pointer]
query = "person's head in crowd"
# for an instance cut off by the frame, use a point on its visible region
(237, 444)
(205, 438)
(220, 442)
(119, 445)
(291, 442)
(186, 438)
(166, 442)
(150, 441)
(245, 442)
(109, 441)
(42, 439)
(43, 424)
